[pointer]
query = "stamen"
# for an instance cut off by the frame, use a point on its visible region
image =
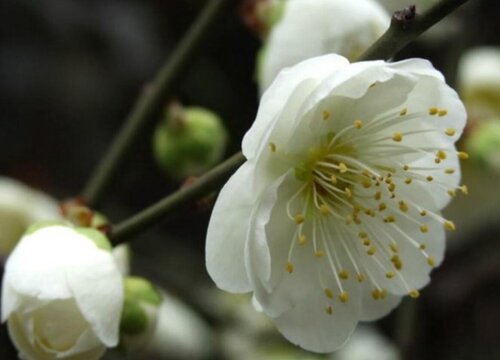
(272, 146)
(289, 267)
(358, 124)
(325, 114)
(397, 137)
(450, 131)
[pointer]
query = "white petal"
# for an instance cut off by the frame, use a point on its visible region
(312, 328)
(122, 254)
(227, 232)
(96, 284)
(274, 99)
(372, 309)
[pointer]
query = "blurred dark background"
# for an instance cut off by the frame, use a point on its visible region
(70, 71)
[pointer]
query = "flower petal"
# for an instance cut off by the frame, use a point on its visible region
(227, 232)
(372, 309)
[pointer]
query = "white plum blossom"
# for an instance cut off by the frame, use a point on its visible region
(20, 206)
(311, 28)
(336, 213)
(62, 294)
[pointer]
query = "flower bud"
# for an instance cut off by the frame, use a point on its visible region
(483, 144)
(140, 309)
(62, 293)
(21, 206)
(189, 141)
(479, 82)
(312, 28)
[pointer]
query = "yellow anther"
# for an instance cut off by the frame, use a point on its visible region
(333, 179)
(408, 181)
(422, 246)
(358, 124)
(394, 247)
(325, 209)
(449, 225)
(366, 242)
(325, 114)
(342, 168)
(329, 293)
(396, 261)
(392, 196)
(431, 261)
(414, 293)
(442, 112)
(382, 294)
(376, 294)
(391, 187)
(390, 274)
(378, 195)
(319, 254)
(423, 212)
(372, 250)
(302, 240)
(403, 207)
(406, 167)
(382, 206)
(464, 189)
(272, 146)
(299, 218)
(424, 228)
(429, 178)
(450, 131)
(433, 110)
(389, 219)
(343, 274)
(462, 155)
(362, 234)
(397, 136)
(452, 193)
(403, 112)
(441, 155)
(348, 192)
(360, 277)
(437, 160)
(449, 171)
(329, 310)
(370, 212)
(289, 267)
(344, 297)
(367, 183)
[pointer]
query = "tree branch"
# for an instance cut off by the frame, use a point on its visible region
(207, 183)
(151, 102)
(406, 26)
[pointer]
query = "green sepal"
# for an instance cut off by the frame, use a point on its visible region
(43, 224)
(99, 239)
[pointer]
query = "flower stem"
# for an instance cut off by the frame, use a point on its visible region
(150, 102)
(207, 183)
(406, 26)
(401, 32)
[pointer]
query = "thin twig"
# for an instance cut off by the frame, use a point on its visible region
(151, 102)
(211, 181)
(406, 26)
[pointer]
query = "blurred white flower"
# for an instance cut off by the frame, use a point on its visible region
(20, 206)
(479, 82)
(367, 343)
(62, 294)
(336, 213)
(311, 28)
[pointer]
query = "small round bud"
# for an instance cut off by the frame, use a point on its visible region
(140, 310)
(189, 141)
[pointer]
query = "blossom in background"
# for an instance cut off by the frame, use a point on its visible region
(336, 213)
(479, 82)
(20, 206)
(312, 28)
(62, 294)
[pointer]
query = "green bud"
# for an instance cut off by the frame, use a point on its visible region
(189, 141)
(139, 314)
(43, 224)
(99, 239)
(483, 144)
